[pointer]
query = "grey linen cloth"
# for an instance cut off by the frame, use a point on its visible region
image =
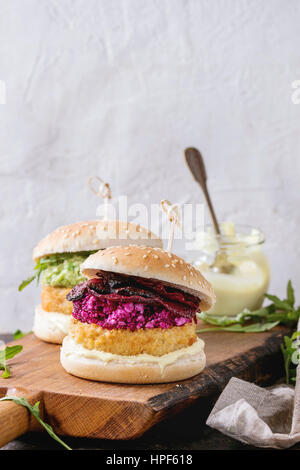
(258, 416)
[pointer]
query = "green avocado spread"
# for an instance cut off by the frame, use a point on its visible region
(59, 270)
(64, 274)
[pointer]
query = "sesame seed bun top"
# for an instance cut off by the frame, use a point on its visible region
(152, 263)
(94, 235)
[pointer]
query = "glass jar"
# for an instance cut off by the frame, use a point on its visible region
(234, 263)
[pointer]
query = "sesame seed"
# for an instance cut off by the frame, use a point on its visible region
(145, 256)
(115, 260)
(155, 256)
(167, 265)
(184, 278)
(146, 268)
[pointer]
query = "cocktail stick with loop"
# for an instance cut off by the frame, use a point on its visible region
(103, 191)
(173, 213)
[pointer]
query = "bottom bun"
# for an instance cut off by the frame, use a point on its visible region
(51, 326)
(141, 369)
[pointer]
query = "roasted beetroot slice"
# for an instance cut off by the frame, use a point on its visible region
(77, 292)
(122, 288)
(97, 286)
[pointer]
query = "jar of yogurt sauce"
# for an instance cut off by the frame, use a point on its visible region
(234, 263)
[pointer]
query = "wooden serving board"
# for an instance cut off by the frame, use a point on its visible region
(79, 407)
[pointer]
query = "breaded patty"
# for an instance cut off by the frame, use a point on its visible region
(154, 341)
(54, 299)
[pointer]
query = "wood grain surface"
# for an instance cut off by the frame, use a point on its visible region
(83, 408)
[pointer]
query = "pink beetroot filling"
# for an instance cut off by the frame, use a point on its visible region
(124, 315)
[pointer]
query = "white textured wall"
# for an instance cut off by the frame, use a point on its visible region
(119, 88)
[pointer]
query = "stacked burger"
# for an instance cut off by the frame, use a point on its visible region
(134, 319)
(58, 258)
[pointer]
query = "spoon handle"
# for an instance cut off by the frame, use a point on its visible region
(196, 165)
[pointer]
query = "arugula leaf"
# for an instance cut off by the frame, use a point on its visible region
(5, 354)
(290, 293)
(289, 349)
(10, 351)
(280, 304)
(35, 410)
(18, 334)
(238, 328)
(244, 316)
(6, 372)
(216, 320)
(26, 282)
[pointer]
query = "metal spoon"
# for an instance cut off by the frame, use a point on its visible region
(196, 165)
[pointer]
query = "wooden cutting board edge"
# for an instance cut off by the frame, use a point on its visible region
(256, 363)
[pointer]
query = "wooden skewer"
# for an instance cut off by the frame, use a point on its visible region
(173, 214)
(103, 191)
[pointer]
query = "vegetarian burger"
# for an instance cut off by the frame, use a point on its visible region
(134, 320)
(58, 258)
